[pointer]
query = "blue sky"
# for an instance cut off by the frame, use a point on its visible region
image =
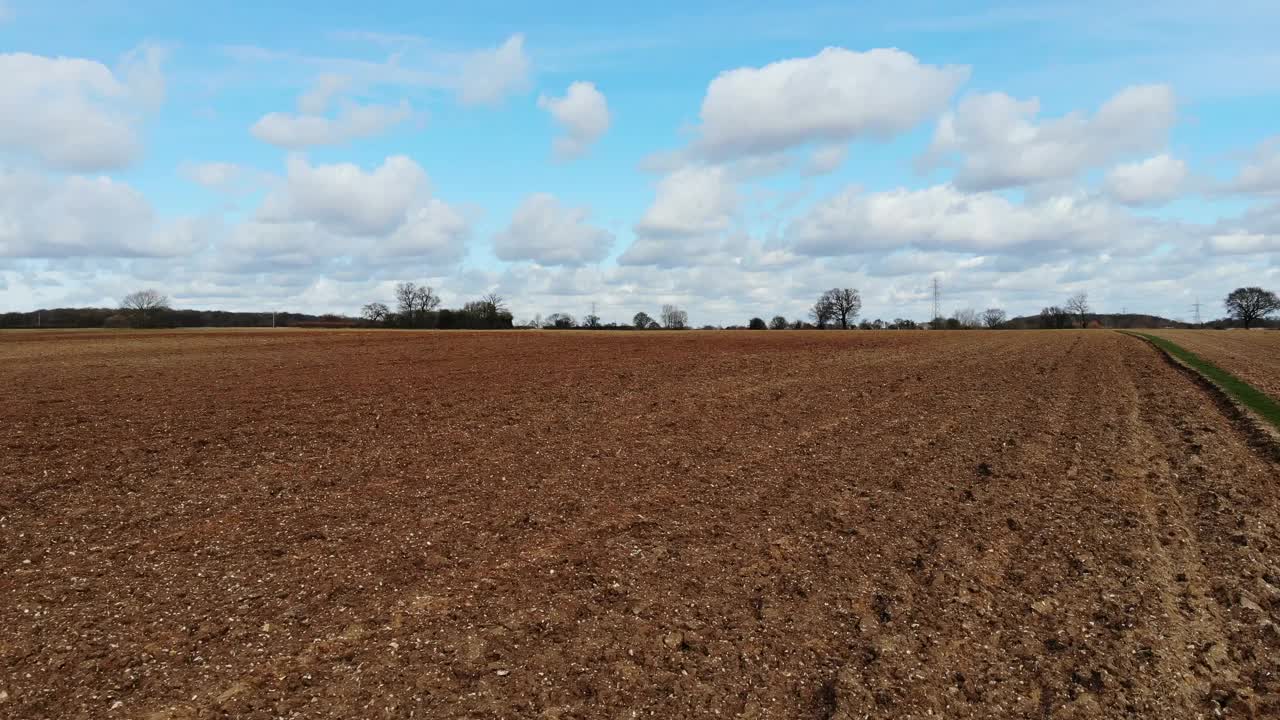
(733, 158)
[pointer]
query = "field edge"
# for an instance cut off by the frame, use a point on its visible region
(1257, 413)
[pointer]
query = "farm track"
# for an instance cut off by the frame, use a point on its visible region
(756, 525)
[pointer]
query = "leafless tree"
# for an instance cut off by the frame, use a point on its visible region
(425, 300)
(561, 321)
(673, 318)
(142, 306)
(778, 323)
(993, 317)
(1055, 317)
(845, 303)
(822, 311)
(966, 318)
(413, 302)
(642, 321)
(407, 301)
(375, 312)
(1251, 304)
(1078, 305)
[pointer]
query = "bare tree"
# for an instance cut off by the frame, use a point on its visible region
(1054, 317)
(425, 300)
(407, 302)
(673, 318)
(993, 317)
(413, 302)
(966, 318)
(1078, 305)
(375, 312)
(642, 321)
(822, 311)
(778, 323)
(143, 305)
(490, 307)
(845, 304)
(560, 321)
(1250, 304)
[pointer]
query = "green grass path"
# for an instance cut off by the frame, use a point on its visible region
(1249, 396)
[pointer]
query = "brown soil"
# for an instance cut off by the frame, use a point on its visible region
(576, 525)
(1253, 356)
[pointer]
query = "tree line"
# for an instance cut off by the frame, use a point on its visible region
(418, 306)
(160, 317)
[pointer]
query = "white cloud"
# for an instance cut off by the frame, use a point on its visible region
(996, 142)
(1152, 181)
(326, 217)
(345, 199)
(75, 114)
(1244, 243)
(693, 200)
(693, 209)
(78, 216)
(432, 231)
(213, 176)
(834, 96)
(143, 76)
(583, 114)
(944, 218)
(1261, 174)
(488, 76)
(827, 159)
(354, 122)
(325, 88)
(548, 233)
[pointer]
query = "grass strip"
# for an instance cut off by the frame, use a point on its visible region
(1251, 397)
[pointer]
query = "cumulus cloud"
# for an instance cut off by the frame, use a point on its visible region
(489, 76)
(834, 96)
(995, 141)
(80, 216)
(346, 199)
(549, 233)
(433, 231)
(1261, 174)
(75, 114)
(944, 218)
(583, 114)
(318, 214)
(354, 122)
(1152, 181)
(693, 208)
(691, 201)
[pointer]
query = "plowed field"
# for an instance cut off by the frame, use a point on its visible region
(594, 525)
(1252, 356)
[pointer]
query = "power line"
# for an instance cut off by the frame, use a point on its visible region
(1197, 309)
